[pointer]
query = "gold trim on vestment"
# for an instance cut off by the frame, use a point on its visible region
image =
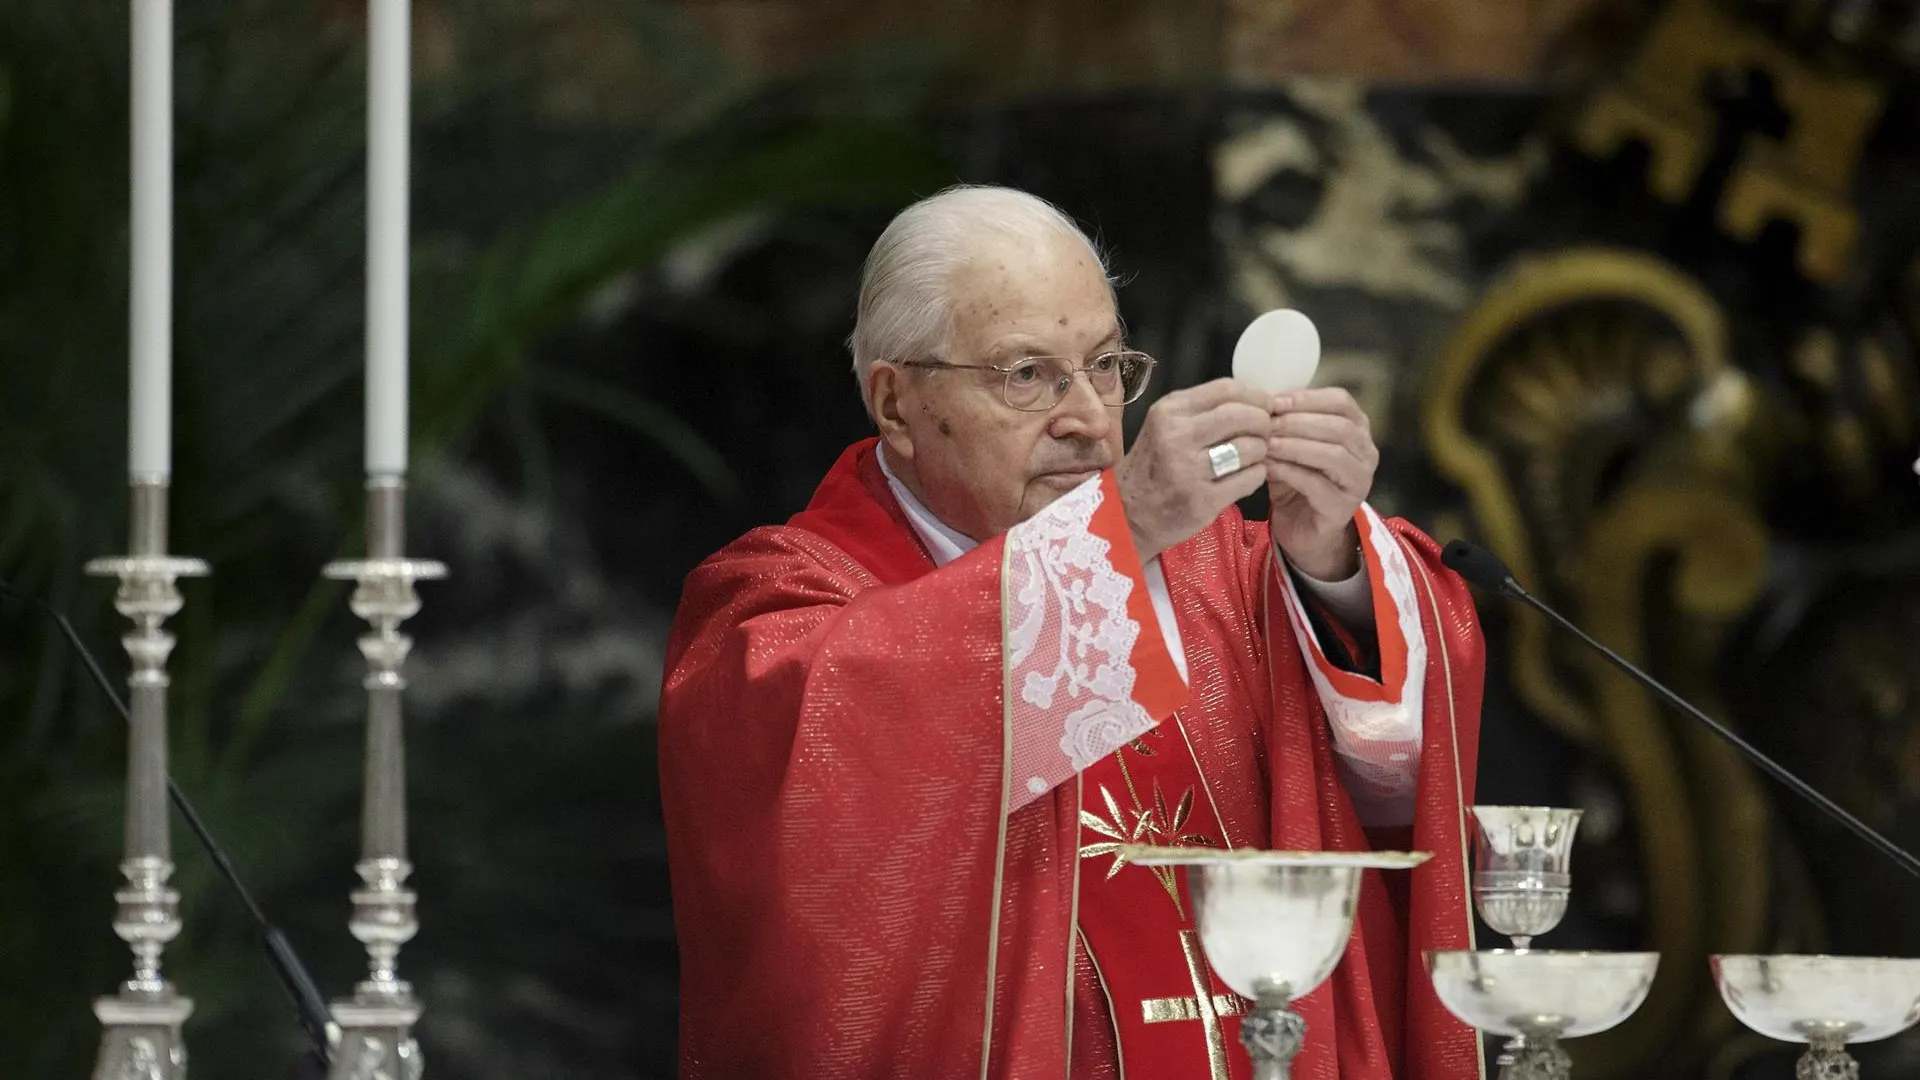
(1006, 798)
(1203, 1005)
(1073, 922)
(1113, 1016)
(1206, 787)
(1153, 815)
(1459, 787)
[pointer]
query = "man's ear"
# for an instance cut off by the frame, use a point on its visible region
(887, 393)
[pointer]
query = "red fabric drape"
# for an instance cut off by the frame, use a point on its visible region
(850, 899)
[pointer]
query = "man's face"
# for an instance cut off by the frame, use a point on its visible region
(980, 465)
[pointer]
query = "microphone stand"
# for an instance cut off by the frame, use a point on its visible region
(1483, 568)
(293, 974)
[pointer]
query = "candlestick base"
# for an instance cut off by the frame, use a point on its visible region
(376, 1037)
(142, 1037)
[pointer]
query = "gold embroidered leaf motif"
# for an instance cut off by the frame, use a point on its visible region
(1113, 807)
(1172, 885)
(1143, 824)
(1160, 807)
(1092, 821)
(1181, 813)
(1094, 851)
(1139, 746)
(1200, 841)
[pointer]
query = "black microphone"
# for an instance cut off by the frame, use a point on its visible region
(1484, 568)
(293, 974)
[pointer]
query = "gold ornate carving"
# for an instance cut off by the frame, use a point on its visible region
(1609, 452)
(1677, 551)
(1535, 368)
(1858, 406)
(1803, 177)
(1677, 137)
(1759, 193)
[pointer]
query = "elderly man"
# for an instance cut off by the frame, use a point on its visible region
(905, 736)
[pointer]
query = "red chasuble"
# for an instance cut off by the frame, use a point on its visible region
(893, 795)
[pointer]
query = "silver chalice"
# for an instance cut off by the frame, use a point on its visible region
(1274, 925)
(1826, 1002)
(1522, 868)
(1521, 881)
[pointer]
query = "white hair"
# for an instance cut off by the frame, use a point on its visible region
(906, 305)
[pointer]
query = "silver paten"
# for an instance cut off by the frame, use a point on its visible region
(375, 1024)
(141, 1022)
(1826, 1002)
(1273, 924)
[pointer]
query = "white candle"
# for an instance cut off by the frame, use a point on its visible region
(150, 318)
(388, 85)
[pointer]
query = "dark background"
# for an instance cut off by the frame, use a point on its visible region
(638, 228)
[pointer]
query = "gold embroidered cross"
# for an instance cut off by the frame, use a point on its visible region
(1204, 1006)
(1164, 1010)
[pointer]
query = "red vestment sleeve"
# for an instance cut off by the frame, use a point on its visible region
(820, 745)
(1380, 1003)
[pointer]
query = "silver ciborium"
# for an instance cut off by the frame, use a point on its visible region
(1826, 1002)
(1522, 878)
(1274, 925)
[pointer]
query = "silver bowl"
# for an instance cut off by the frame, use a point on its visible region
(1828, 1000)
(1537, 991)
(1537, 997)
(1274, 925)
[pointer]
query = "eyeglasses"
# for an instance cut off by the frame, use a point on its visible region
(1037, 383)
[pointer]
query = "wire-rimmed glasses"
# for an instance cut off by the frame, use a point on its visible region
(1037, 383)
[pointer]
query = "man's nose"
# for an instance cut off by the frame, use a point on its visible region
(1080, 414)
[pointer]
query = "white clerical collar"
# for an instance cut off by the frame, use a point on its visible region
(946, 545)
(943, 543)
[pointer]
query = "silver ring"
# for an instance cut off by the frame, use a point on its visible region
(1225, 458)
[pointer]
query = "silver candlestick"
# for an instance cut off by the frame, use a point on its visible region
(142, 1020)
(376, 1023)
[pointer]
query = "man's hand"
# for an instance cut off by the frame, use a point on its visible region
(1320, 461)
(1166, 480)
